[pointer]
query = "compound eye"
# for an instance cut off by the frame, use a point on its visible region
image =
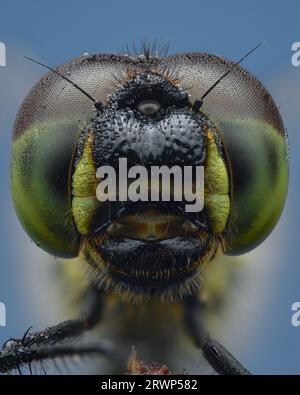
(148, 107)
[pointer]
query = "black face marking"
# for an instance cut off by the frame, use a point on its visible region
(171, 135)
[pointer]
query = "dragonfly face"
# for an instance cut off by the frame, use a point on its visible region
(148, 117)
(151, 245)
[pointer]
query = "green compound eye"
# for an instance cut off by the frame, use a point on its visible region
(259, 164)
(53, 115)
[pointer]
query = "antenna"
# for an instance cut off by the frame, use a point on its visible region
(98, 105)
(198, 102)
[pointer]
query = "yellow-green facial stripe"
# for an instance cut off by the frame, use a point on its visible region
(84, 184)
(216, 194)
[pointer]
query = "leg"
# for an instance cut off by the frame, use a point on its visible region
(44, 344)
(222, 361)
(14, 357)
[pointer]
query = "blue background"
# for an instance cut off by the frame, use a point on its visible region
(55, 31)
